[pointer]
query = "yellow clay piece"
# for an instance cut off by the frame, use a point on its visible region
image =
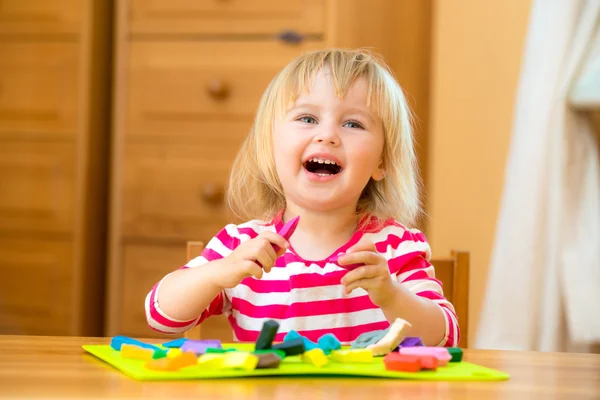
(174, 353)
(136, 352)
(238, 359)
(354, 356)
(315, 357)
(212, 360)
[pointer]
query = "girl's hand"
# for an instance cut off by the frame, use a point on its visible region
(243, 261)
(374, 276)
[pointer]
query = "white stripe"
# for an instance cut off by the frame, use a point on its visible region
(421, 285)
(381, 236)
(217, 246)
(403, 276)
(446, 330)
(196, 262)
(345, 320)
(304, 295)
(157, 325)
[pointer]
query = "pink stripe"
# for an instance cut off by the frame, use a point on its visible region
(155, 315)
(430, 294)
(343, 334)
(308, 309)
(395, 240)
(407, 262)
(248, 231)
(420, 274)
(214, 308)
(228, 241)
(451, 341)
(211, 255)
(301, 281)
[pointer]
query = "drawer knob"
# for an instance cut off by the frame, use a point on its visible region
(213, 193)
(218, 89)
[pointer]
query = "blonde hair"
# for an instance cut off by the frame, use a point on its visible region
(254, 189)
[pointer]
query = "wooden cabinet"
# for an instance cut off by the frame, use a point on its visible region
(189, 76)
(54, 86)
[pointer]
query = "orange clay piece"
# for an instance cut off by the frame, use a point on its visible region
(400, 362)
(136, 352)
(174, 363)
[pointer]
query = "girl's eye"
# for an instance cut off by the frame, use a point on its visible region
(353, 125)
(307, 119)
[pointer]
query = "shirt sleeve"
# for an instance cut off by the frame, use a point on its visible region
(217, 248)
(408, 256)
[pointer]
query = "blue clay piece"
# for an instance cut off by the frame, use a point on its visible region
(328, 343)
(368, 338)
(308, 344)
(118, 341)
(175, 344)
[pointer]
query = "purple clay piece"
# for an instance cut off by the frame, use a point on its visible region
(349, 267)
(199, 346)
(411, 342)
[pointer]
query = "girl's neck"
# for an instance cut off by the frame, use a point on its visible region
(319, 234)
(330, 223)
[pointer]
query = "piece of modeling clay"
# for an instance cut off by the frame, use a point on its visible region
(268, 360)
(315, 357)
(440, 353)
(308, 344)
(328, 343)
(402, 362)
(355, 356)
(118, 341)
(411, 342)
(241, 360)
(291, 348)
(368, 338)
(175, 343)
(456, 353)
(136, 352)
(199, 346)
(267, 334)
(396, 333)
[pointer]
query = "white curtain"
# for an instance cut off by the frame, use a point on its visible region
(544, 283)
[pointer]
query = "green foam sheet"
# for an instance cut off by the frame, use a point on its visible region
(294, 366)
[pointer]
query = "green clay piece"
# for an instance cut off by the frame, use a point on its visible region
(159, 354)
(279, 353)
(456, 354)
(217, 350)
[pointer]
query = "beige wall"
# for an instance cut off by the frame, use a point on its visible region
(476, 55)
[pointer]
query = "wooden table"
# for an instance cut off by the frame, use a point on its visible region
(57, 367)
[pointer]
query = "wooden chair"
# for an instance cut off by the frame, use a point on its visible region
(452, 271)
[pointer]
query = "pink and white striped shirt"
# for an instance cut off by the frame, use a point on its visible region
(307, 296)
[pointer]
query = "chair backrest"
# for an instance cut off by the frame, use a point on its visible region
(452, 271)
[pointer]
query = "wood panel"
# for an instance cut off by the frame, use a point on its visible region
(35, 289)
(168, 189)
(143, 265)
(38, 88)
(40, 16)
(37, 186)
(227, 17)
(190, 84)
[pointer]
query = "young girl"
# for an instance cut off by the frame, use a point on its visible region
(331, 143)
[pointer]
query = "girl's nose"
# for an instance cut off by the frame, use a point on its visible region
(327, 135)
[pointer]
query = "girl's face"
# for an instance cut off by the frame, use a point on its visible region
(326, 149)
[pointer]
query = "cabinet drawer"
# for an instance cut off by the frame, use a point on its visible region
(37, 185)
(227, 17)
(35, 286)
(38, 87)
(175, 191)
(40, 16)
(196, 82)
(143, 266)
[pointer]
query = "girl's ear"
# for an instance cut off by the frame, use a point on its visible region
(379, 173)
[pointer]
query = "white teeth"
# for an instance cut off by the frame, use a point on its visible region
(322, 161)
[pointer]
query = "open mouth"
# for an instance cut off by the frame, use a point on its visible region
(322, 167)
